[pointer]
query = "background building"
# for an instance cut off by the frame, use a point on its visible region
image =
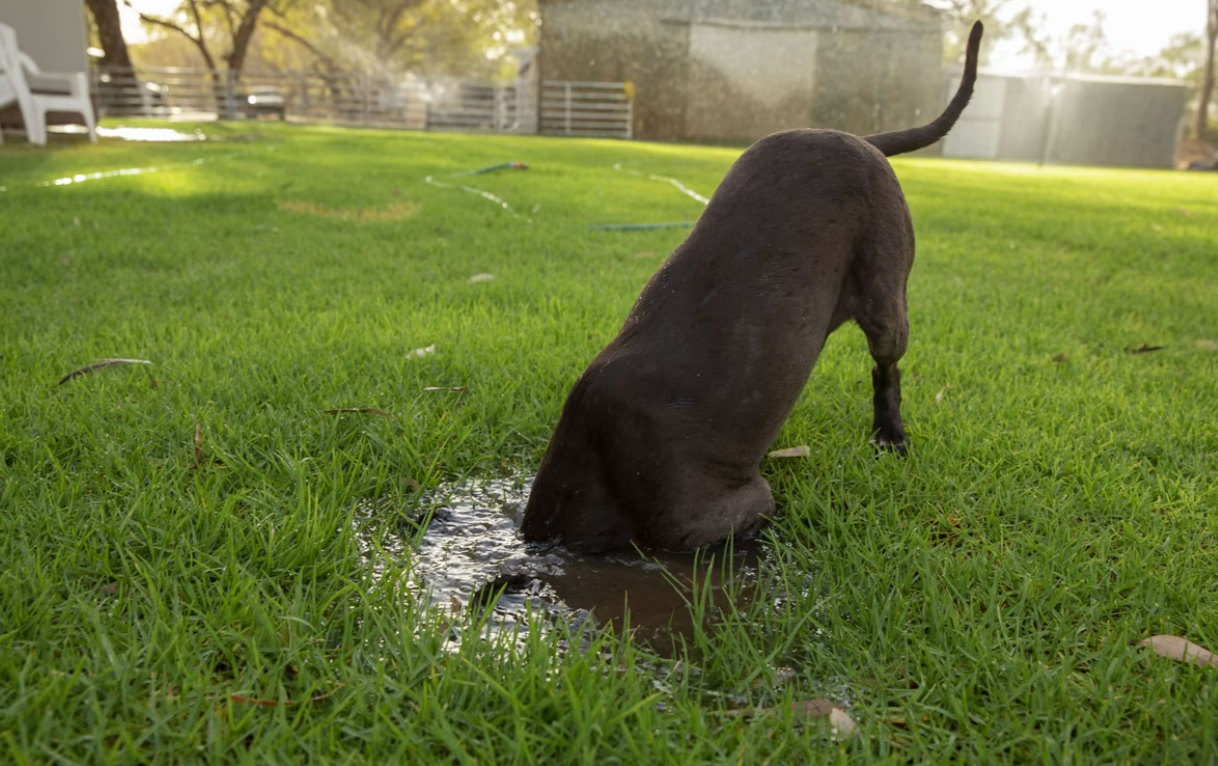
(733, 70)
(1071, 119)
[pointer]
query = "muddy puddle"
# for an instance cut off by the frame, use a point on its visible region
(472, 550)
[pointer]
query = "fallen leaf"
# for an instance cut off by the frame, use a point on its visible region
(843, 725)
(359, 410)
(98, 365)
(1208, 345)
(482, 277)
(420, 352)
(1180, 650)
(802, 451)
(198, 444)
(1144, 349)
(1059, 358)
(453, 389)
(645, 254)
(939, 396)
(1185, 211)
(537, 207)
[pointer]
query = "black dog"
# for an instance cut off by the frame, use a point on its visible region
(661, 438)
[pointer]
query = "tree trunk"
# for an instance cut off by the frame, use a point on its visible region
(110, 32)
(243, 35)
(1207, 71)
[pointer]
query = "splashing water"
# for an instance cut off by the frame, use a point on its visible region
(473, 540)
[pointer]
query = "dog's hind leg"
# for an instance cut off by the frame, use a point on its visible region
(884, 318)
(887, 342)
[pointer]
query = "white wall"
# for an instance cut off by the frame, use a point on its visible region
(770, 64)
(978, 132)
(749, 80)
(51, 31)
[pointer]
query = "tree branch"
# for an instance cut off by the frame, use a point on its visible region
(168, 25)
(400, 41)
(198, 41)
(300, 41)
(194, 9)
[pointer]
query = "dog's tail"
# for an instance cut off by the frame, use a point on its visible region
(902, 141)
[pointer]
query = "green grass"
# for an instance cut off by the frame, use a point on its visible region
(978, 601)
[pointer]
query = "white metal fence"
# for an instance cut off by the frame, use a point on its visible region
(450, 104)
(586, 109)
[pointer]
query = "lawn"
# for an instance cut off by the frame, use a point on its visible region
(181, 575)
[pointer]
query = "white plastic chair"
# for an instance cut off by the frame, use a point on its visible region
(36, 92)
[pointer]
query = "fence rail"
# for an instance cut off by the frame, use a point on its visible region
(449, 104)
(586, 109)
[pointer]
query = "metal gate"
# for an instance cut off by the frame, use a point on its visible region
(402, 101)
(587, 109)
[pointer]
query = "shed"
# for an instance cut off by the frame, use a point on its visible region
(739, 69)
(1071, 119)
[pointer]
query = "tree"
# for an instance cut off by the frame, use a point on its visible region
(200, 22)
(1207, 70)
(1181, 58)
(110, 34)
(1085, 46)
(1003, 19)
(422, 36)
